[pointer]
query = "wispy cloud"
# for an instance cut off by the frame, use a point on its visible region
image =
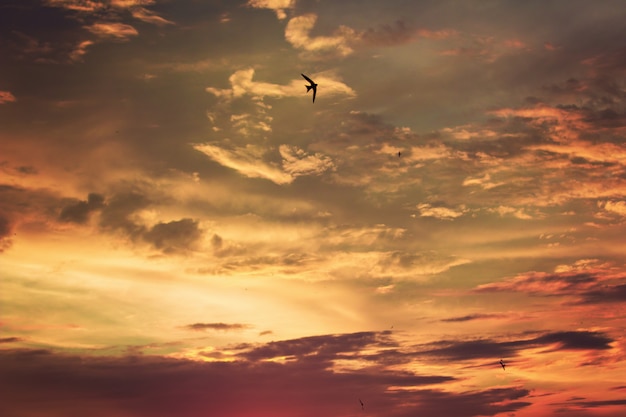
(247, 161)
(440, 212)
(217, 326)
(6, 97)
(586, 281)
(113, 30)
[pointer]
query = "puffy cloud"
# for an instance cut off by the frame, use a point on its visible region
(617, 207)
(242, 84)
(298, 31)
(78, 212)
(280, 7)
(297, 162)
(174, 236)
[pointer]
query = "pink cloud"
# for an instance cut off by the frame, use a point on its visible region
(6, 97)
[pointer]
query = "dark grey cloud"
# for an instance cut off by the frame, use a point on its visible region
(116, 215)
(147, 385)
(471, 317)
(169, 237)
(491, 349)
(27, 170)
(489, 402)
(79, 211)
(173, 236)
(573, 340)
(10, 339)
(473, 349)
(322, 348)
(596, 286)
(5, 227)
(217, 326)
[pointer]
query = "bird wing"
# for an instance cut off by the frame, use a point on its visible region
(314, 91)
(308, 79)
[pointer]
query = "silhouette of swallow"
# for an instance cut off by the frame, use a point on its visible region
(362, 405)
(503, 364)
(399, 154)
(312, 85)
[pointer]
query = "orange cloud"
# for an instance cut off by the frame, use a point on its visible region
(117, 31)
(6, 97)
(279, 6)
(298, 31)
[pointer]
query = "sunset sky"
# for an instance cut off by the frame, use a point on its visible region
(184, 233)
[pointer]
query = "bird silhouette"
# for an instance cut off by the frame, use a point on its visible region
(312, 85)
(503, 364)
(362, 405)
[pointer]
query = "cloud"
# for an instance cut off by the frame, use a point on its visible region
(345, 40)
(297, 32)
(77, 5)
(78, 212)
(463, 350)
(145, 15)
(242, 84)
(518, 213)
(217, 326)
(10, 339)
(174, 236)
(297, 162)
(80, 50)
(440, 212)
(400, 33)
(585, 282)
(617, 207)
(605, 294)
(472, 317)
(121, 213)
(118, 212)
(6, 97)
(156, 386)
(113, 30)
(573, 340)
(280, 7)
(247, 161)
(111, 9)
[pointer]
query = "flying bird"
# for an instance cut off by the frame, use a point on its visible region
(362, 405)
(312, 85)
(503, 364)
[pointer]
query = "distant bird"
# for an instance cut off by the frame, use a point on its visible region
(312, 85)
(362, 405)
(399, 154)
(503, 364)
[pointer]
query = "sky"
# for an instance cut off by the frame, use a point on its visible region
(183, 232)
